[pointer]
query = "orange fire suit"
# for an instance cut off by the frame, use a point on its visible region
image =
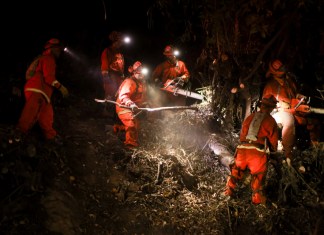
(285, 92)
(131, 91)
(167, 70)
(112, 68)
(38, 91)
(252, 155)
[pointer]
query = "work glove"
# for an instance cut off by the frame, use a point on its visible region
(134, 107)
(300, 96)
(303, 109)
(64, 91)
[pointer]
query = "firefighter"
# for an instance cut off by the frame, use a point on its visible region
(281, 86)
(170, 69)
(112, 69)
(38, 90)
(131, 93)
(259, 135)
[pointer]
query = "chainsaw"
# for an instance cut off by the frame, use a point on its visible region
(171, 85)
(300, 107)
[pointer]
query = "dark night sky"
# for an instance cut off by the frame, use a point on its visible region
(82, 25)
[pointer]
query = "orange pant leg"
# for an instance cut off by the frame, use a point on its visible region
(237, 169)
(30, 112)
(257, 163)
(131, 128)
(46, 120)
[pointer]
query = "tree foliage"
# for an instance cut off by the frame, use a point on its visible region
(245, 27)
(251, 33)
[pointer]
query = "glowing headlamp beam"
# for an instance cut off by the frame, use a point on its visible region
(127, 39)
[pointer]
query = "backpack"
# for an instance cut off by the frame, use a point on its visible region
(32, 68)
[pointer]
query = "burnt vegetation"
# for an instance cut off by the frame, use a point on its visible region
(172, 184)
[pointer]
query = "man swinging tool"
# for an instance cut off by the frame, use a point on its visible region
(131, 99)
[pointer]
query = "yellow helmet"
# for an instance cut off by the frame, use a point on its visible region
(135, 68)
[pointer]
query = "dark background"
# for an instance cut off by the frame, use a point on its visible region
(82, 25)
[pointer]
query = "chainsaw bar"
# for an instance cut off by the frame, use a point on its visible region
(178, 91)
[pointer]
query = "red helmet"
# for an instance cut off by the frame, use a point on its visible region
(168, 50)
(135, 68)
(269, 100)
(54, 42)
(276, 68)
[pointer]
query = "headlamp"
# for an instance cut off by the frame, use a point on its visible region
(144, 71)
(127, 39)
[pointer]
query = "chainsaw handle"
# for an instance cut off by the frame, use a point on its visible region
(175, 81)
(300, 102)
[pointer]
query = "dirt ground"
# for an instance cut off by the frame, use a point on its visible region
(171, 184)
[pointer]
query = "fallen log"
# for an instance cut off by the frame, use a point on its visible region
(225, 157)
